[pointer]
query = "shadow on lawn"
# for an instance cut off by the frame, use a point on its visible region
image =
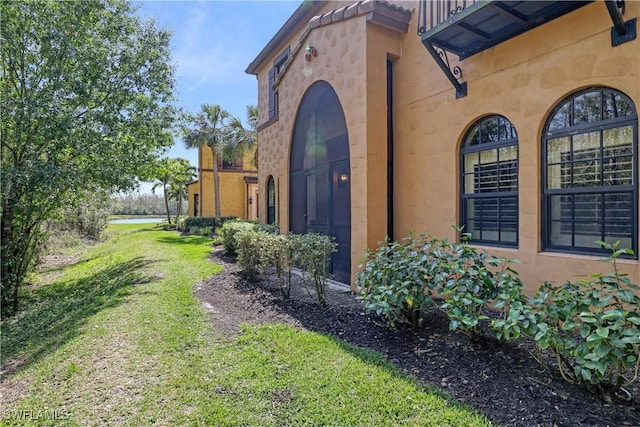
(184, 240)
(54, 314)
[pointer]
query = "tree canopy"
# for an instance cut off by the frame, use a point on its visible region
(86, 97)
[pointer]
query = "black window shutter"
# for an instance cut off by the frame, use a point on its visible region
(272, 103)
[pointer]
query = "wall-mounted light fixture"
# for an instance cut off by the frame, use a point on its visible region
(250, 200)
(343, 178)
(310, 52)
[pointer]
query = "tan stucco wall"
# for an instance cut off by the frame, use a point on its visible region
(341, 61)
(521, 79)
(234, 192)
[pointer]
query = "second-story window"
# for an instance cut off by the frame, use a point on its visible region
(274, 73)
(229, 165)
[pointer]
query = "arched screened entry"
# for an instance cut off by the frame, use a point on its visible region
(320, 199)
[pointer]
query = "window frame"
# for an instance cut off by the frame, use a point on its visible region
(228, 165)
(274, 73)
(466, 149)
(571, 131)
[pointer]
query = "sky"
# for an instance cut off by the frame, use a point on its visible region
(213, 42)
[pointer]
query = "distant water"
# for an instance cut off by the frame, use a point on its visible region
(136, 221)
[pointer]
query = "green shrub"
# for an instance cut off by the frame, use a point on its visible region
(166, 226)
(471, 282)
(248, 245)
(203, 221)
(277, 253)
(312, 253)
(592, 327)
(180, 223)
(229, 230)
(269, 228)
(205, 231)
(396, 280)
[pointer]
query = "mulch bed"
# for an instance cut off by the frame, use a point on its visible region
(501, 380)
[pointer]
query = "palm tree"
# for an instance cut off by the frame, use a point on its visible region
(162, 178)
(182, 173)
(209, 130)
(239, 140)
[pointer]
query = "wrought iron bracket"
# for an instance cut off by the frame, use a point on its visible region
(453, 74)
(622, 31)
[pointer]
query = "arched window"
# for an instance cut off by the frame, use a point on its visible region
(590, 186)
(489, 184)
(271, 201)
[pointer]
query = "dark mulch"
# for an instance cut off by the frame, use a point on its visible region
(501, 380)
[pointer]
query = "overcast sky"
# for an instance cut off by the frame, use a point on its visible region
(213, 43)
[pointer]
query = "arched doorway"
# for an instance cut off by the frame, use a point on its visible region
(320, 198)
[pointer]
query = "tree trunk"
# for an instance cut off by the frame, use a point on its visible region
(20, 238)
(216, 185)
(166, 201)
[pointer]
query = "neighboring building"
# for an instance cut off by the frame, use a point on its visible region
(517, 120)
(238, 187)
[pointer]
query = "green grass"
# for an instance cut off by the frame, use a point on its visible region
(119, 339)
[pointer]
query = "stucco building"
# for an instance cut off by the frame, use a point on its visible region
(238, 187)
(517, 120)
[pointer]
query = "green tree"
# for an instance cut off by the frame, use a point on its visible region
(86, 93)
(208, 131)
(238, 140)
(182, 173)
(173, 175)
(162, 178)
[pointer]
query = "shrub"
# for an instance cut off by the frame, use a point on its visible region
(592, 327)
(269, 228)
(277, 253)
(203, 221)
(217, 241)
(248, 245)
(312, 253)
(395, 281)
(166, 226)
(229, 230)
(471, 282)
(180, 223)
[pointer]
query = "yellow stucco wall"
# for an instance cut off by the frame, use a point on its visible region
(234, 191)
(192, 190)
(522, 79)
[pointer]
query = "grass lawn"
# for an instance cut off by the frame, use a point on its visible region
(119, 339)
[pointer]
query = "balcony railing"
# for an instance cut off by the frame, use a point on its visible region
(432, 13)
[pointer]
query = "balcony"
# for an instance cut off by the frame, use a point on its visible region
(467, 27)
